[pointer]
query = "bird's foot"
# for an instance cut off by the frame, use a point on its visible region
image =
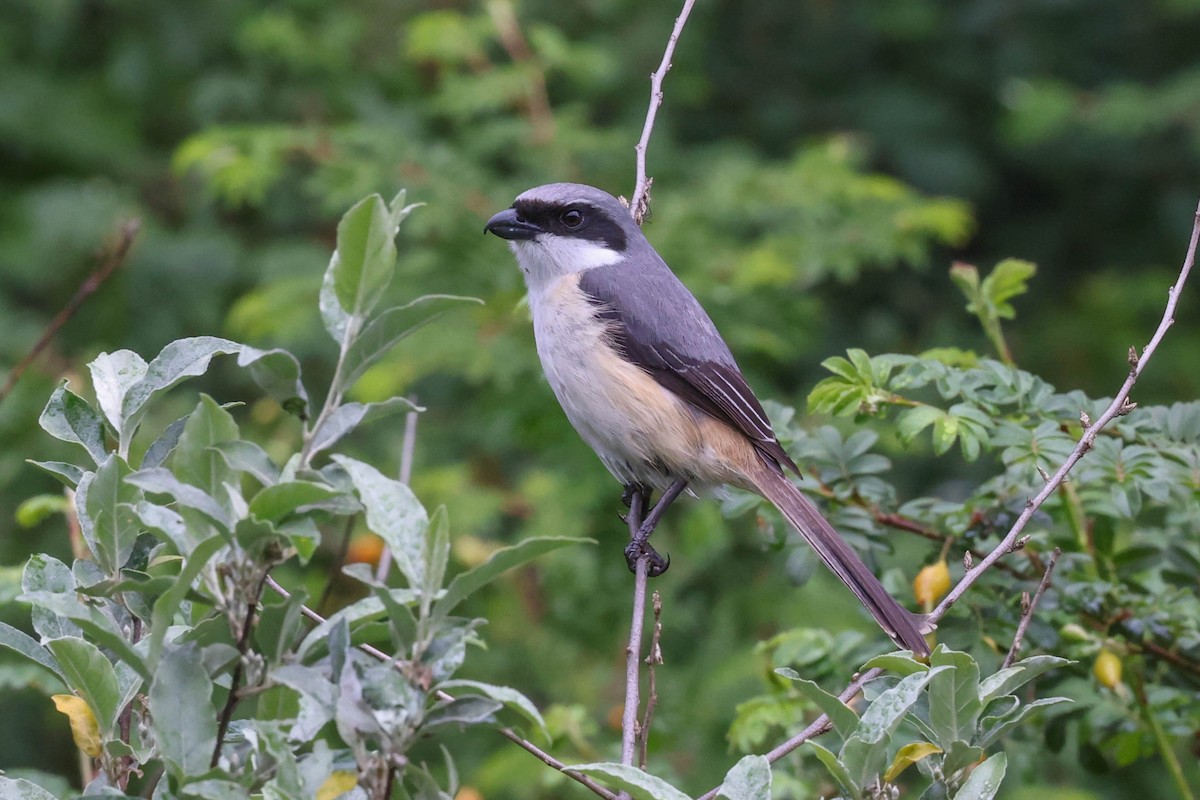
(639, 548)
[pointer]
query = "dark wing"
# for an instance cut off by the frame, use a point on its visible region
(664, 330)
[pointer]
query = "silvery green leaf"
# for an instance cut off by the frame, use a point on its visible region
(349, 416)
(184, 721)
(750, 779)
(69, 418)
(112, 376)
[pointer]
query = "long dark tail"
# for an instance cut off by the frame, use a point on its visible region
(903, 626)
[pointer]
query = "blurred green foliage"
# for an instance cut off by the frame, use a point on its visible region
(818, 167)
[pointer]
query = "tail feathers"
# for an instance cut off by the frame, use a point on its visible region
(903, 626)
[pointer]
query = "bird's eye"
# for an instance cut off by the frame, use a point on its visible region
(572, 218)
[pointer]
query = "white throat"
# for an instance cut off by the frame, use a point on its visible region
(548, 257)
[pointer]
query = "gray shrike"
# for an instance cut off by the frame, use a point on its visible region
(648, 382)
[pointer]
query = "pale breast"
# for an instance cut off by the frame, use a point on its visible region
(641, 431)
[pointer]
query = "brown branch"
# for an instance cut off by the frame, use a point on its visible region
(1012, 541)
(639, 206)
(1029, 605)
(113, 259)
(653, 659)
(537, 100)
(507, 733)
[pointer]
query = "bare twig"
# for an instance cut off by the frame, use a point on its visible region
(537, 100)
(113, 259)
(639, 206)
(653, 659)
(1120, 405)
(1117, 407)
(406, 462)
(507, 733)
(1030, 605)
(633, 651)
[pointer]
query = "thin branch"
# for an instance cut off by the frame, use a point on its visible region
(1119, 406)
(114, 259)
(1011, 541)
(902, 523)
(407, 449)
(653, 659)
(633, 651)
(537, 99)
(243, 645)
(639, 206)
(507, 733)
(1029, 606)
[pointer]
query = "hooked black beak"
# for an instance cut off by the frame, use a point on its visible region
(509, 225)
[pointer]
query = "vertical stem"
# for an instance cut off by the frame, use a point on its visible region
(1161, 741)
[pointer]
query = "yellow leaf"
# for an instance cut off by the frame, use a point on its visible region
(84, 729)
(932, 583)
(337, 784)
(907, 756)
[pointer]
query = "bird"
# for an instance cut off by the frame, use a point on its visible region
(648, 382)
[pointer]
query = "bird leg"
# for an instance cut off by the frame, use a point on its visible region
(643, 523)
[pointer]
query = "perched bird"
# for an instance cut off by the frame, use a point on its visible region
(648, 382)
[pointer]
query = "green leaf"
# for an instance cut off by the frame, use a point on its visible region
(277, 372)
(837, 770)
(164, 445)
(194, 461)
(168, 602)
(21, 789)
(504, 559)
(395, 514)
(112, 376)
(844, 720)
(90, 675)
(884, 715)
(348, 416)
(69, 418)
(900, 662)
(984, 781)
(162, 481)
(633, 780)
(390, 327)
(1007, 280)
(912, 421)
(1007, 681)
(34, 510)
(275, 502)
(184, 721)
(1006, 722)
(45, 573)
(510, 697)
(179, 360)
(908, 755)
(954, 704)
(750, 779)
(437, 548)
(113, 528)
(365, 609)
(966, 278)
(69, 474)
(365, 257)
(98, 627)
(470, 709)
(24, 644)
(335, 318)
(959, 756)
(246, 456)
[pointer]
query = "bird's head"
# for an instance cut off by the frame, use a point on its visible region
(562, 228)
